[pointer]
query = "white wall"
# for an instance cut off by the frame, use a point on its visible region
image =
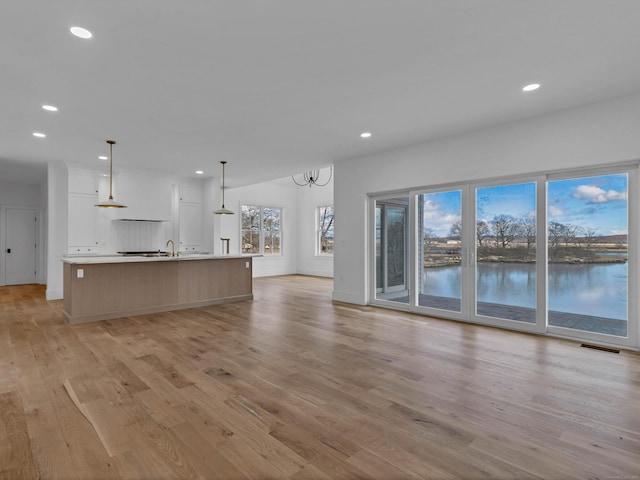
(596, 134)
(274, 194)
(309, 199)
(57, 227)
(20, 195)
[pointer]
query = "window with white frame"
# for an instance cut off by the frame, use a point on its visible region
(325, 230)
(261, 230)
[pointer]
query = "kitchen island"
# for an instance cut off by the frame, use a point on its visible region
(113, 286)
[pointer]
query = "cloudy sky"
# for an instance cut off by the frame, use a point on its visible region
(598, 203)
(592, 202)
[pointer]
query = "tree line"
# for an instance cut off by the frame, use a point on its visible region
(505, 230)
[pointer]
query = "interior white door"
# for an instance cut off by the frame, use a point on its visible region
(20, 245)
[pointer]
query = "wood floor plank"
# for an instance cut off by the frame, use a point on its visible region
(210, 462)
(524, 455)
(295, 386)
(49, 447)
(51, 456)
(256, 463)
(16, 456)
(87, 452)
(374, 466)
(251, 432)
(167, 370)
(158, 409)
(330, 461)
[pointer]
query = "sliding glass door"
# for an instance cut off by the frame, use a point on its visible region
(540, 254)
(506, 264)
(588, 255)
(440, 253)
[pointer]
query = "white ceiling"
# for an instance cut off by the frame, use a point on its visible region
(278, 86)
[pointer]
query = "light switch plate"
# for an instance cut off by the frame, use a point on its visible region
(80, 273)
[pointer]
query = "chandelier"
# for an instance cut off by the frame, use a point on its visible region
(312, 177)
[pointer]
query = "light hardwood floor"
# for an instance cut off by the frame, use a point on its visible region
(292, 386)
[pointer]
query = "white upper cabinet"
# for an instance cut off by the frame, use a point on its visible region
(190, 226)
(190, 217)
(83, 236)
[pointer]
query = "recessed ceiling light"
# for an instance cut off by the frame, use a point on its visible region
(531, 87)
(199, 172)
(49, 108)
(365, 134)
(39, 135)
(102, 157)
(81, 32)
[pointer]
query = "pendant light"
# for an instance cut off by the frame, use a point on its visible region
(111, 203)
(223, 210)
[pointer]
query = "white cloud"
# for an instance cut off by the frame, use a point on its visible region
(590, 193)
(436, 219)
(613, 195)
(555, 211)
(449, 218)
(593, 194)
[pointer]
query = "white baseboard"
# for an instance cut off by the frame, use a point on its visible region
(348, 297)
(54, 294)
(316, 273)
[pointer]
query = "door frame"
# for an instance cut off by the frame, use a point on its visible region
(408, 247)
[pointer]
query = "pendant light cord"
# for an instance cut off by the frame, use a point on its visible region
(110, 142)
(223, 183)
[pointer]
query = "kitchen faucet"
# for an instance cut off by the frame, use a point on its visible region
(173, 247)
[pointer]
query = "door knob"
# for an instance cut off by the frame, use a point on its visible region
(8, 250)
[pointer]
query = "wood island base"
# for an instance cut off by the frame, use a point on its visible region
(102, 291)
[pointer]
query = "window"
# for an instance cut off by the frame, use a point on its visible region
(261, 230)
(325, 230)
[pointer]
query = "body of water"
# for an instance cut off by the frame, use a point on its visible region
(588, 289)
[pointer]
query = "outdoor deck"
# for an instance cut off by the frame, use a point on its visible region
(587, 323)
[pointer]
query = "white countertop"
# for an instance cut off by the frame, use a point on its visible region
(115, 258)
